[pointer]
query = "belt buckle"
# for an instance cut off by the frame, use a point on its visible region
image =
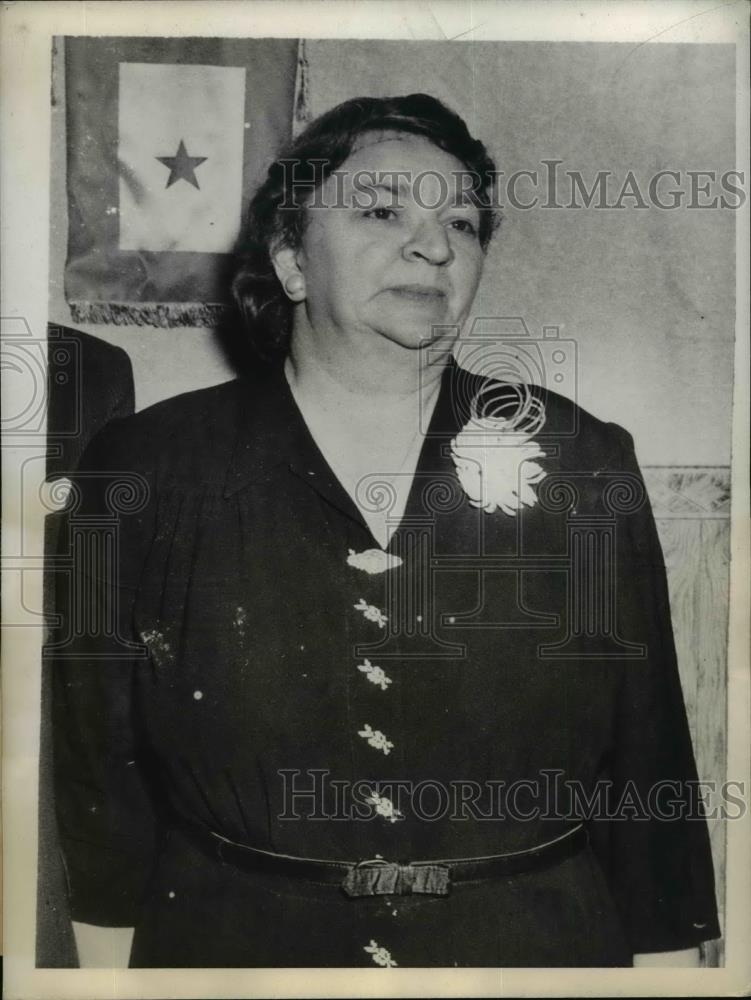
(378, 877)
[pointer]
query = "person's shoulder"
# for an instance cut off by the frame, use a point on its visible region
(579, 432)
(191, 427)
(193, 406)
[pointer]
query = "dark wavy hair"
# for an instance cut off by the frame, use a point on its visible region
(276, 215)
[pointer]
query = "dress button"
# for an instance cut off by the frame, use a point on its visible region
(376, 739)
(373, 561)
(384, 807)
(198, 695)
(371, 612)
(380, 955)
(376, 675)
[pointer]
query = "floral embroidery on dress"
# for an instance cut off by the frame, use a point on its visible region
(384, 807)
(381, 956)
(495, 457)
(376, 675)
(376, 739)
(159, 647)
(373, 560)
(371, 612)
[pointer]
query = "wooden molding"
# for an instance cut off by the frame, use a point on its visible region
(688, 491)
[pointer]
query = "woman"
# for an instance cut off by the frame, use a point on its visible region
(353, 574)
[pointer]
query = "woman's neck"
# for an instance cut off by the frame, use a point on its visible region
(386, 380)
(366, 426)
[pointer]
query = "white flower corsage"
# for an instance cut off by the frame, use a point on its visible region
(496, 459)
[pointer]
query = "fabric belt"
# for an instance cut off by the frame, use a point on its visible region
(380, 877)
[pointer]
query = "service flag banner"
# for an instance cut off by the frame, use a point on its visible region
(167, 140)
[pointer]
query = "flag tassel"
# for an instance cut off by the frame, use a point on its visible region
(159, 314)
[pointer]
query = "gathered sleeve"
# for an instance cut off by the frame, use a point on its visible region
(107, 820)
(654, 844)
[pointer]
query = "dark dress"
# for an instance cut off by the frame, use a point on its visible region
(534, 649)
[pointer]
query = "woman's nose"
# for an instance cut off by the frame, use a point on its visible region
(429, 242)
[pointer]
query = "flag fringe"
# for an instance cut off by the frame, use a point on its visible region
(161, 314)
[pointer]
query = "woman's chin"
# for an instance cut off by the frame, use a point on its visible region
(415, 337)
(416, 331)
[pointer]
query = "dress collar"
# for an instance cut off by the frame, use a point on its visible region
(273, 433)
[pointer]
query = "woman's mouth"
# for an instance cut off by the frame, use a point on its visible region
(423, 294)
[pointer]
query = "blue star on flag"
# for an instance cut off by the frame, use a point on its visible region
(181, 166)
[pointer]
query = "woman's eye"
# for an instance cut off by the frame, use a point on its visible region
(380, 213)
(463, 226)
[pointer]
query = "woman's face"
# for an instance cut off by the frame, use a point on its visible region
(402, 254)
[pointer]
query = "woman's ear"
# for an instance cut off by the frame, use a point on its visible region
(287, 268)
